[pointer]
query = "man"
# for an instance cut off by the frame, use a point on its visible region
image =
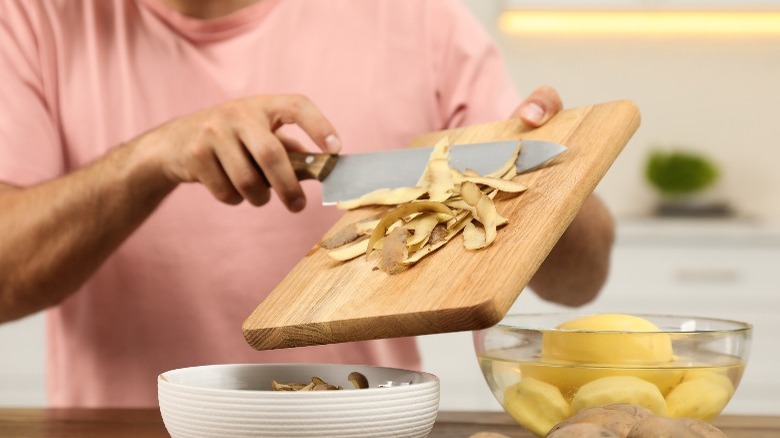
(110, 107)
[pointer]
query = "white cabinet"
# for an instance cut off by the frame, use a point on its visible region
(22, 365)
(710, 268)
(700, 268)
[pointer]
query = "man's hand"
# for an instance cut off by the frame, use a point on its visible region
(577, 267)
(234, 149)
(539, 107)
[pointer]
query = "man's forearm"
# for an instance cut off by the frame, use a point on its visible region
(578, 265)
(54, 235)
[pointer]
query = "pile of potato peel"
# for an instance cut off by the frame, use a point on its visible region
(423, 218)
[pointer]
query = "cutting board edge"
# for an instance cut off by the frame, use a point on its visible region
(478, 316)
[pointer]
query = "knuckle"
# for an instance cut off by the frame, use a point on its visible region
(298, 102)
(269, 156)
(208, 133)
(248, 181)
(201, 152)
(227, 195)
(551, 94)
(261, 198)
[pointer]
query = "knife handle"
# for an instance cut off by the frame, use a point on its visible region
(312, 165)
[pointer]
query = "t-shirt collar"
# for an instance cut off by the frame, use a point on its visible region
(200, 30)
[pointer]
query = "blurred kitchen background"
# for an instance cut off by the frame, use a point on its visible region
(706, 83)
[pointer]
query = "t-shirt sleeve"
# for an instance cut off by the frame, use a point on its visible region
(473, 85)
(30, 149)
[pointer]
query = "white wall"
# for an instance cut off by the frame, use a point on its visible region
(715, 94)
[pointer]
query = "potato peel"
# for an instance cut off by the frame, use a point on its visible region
(473, 236)
(444, 203)
(486, 211)
(394, 251)
(398, 213)
(421, 227)
(349, 252)
(383, 197)
(496, 183)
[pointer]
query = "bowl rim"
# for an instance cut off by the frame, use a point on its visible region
(430, 380)
(738, 326)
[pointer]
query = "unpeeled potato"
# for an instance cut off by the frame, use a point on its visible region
(630, 421)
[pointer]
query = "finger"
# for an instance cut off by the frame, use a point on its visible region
(269, 153)
(539, 106)
(240, 168)
(211, 174)
(291, 144)
(298, 109)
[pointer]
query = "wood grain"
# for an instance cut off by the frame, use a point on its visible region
(147, 423)
(321, 301)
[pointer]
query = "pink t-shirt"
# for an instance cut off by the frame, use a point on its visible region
(78, 77)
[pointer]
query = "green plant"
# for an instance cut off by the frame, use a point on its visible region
(677, 173)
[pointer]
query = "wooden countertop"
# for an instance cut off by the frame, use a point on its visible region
(146, 423)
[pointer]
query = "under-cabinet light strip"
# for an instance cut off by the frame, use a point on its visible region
(640, 22)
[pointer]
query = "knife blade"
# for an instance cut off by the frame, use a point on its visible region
(350, 176)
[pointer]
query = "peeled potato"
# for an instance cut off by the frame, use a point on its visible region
(624, 346)
(536, 405)
(570, 376)
(619, 389)
(702, 398)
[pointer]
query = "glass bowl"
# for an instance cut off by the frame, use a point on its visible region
(676, 366)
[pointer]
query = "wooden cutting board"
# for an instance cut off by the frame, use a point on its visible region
(323, 302)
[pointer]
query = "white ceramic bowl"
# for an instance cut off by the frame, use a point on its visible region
(228, 401)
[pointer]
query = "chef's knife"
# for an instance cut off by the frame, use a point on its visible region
(351, 176)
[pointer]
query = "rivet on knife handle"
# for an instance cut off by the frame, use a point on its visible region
(312, 165)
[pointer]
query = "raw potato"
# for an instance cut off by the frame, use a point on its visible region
(617, 348)
(536, 405)
(661, 427)
(569, 376)
(619, 389)
(702, 398)
(584, 430)
(639, 412)
(616, 421)
(641, 423)
(442, 195)
(705, 430)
